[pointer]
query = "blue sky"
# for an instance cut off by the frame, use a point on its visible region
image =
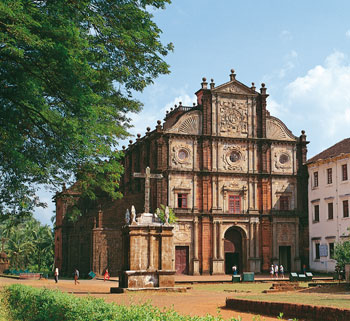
(299, 49)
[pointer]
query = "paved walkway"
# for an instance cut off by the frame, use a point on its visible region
(228, 278)
(225, 278)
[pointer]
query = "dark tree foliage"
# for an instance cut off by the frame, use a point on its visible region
(28, 244)
(67, 72)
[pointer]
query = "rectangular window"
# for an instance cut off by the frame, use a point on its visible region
(315, 179)
(346, 208)
(329, 176)
(234, 204)
(317, 251)
(182, 200)
(330, 211)
(344, 170)
(331, 250)
(316, 213)
(284, 203)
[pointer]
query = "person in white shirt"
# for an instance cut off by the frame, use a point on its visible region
(56, 275)
(282, 271)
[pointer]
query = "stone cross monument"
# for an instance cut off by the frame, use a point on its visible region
(148, 249)
(147, 176)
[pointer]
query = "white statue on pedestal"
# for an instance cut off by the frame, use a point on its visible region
(127, 216)
(133, 215)
(166, 216)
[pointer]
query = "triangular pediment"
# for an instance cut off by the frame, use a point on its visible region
(234, 87)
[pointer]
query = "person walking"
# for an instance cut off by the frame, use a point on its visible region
(272, 271)
(76, 276)
(106, 276)
(56, 274)
(282, 271)
(276, 271)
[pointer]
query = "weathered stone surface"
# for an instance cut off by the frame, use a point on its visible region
(226, 145)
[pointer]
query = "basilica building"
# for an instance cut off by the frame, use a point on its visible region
(234, 175)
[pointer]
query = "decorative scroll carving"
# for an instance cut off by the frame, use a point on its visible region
(234, 89)
(182, 233)
(182, 187)
(233, 117)
(181, 155)
(275, 129)
(282, 160)
(188, 124)
(233, 158)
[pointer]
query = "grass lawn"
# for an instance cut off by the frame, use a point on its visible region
(253, 291)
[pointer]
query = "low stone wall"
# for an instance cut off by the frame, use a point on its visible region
(290, 310)
(31, 276)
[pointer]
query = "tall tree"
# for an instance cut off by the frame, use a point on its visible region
(67, 72)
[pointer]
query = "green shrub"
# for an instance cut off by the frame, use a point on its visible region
(33, 304)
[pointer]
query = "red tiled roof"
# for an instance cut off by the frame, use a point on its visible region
(343, 147)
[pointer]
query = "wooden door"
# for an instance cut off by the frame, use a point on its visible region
(181, 259)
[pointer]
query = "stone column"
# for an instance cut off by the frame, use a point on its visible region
(195, 247)
(215, 256)
(220, 241)
(251, 239)
(195, 163)
(195, 238)
(257, 238)
(297, 257)
(274, 241)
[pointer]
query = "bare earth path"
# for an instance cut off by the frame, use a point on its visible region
(194, 302)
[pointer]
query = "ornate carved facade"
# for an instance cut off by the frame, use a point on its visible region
(234, 176)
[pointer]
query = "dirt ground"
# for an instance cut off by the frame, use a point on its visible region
(193, 302)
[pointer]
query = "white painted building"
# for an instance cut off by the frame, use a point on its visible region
(329, 198)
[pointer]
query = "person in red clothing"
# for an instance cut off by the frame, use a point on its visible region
(106, 276)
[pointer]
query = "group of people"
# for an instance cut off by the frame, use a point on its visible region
(75, 274)
(276, 271)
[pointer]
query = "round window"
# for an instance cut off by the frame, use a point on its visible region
(284, 159)
(234, 156)
(183, 154)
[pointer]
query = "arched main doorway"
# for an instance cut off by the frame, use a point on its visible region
(233, 247)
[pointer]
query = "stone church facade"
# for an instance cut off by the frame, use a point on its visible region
(234, 175)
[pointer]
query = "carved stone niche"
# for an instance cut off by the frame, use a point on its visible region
(233, 158)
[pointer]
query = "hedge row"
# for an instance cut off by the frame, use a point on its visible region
(33, 304)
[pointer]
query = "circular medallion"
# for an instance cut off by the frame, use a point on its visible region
(182, 154)
(234, 156)
(284, 158)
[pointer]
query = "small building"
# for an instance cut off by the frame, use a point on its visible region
(329, 197)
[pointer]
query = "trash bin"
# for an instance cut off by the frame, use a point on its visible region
(248, 277)
(92, 274)
(309, 276)
(302, 277)
(236, 278)
(293, 277)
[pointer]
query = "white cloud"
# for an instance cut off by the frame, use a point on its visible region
(347, 33)
(185, 99)
(286, 35)
(320, 100)
(275, 108)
